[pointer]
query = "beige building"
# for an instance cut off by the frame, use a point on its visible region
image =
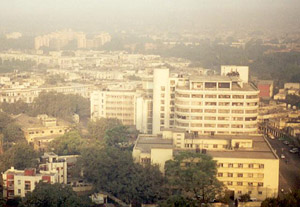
(42, 129)
(246, 164)
(118, 104)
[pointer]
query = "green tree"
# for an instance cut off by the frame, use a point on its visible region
(288, 200)
(13, 133)
(20, 156)
(15, 108)
(117, 136)
(98, 128)
(113, 170)
(54, 195)
(193, 176)
(61, 106)
(68, 144)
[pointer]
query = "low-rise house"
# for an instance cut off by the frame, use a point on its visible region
(42, 129)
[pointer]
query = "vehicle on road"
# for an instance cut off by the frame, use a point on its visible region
(286, 142)
(294, 150)
(282, 156)
(291, 146)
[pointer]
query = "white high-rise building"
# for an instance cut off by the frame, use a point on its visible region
(204, 104)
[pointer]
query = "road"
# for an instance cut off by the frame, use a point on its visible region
(289, 176)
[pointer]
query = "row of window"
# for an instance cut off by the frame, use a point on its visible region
(240, 165)
(250, 184)
(240, 175)
(222, 111)
(216, 96)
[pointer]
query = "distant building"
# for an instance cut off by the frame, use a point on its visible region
(41, 130)
(265, 88)
(246, 164)
(118, 104)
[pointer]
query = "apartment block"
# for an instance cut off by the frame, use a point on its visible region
(245, 163)
(118, 104)
(204, 104)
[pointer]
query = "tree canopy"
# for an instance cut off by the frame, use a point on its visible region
(68, 144)
(288, 200)
(54, 195)
(193, 176)
(20, 156)
(117, 136)
(113, 170)
(98, 128)
(61, 105)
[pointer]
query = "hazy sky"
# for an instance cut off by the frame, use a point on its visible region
(84, 14)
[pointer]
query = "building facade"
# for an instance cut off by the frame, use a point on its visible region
(204, 104)
(245, 163)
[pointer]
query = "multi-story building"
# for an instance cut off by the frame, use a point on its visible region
(204, 104)
(52, 169)
(245, 163)
(19, 182)
(118, 104)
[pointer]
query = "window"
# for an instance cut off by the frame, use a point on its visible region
(19, 191)
(240, 175)
(250, 175)
(163, 88)
(230, 175)
(220, 174)
(230, 165)
(239, 183)
(19, 182)
(250, 165)
(224, 96)
(260, 184)
(215, 146)
(240, 165)
(229, 183)
(249, 192)
(250, 184)
(240, 192)
(259, 192)
(261, 166)
(220, 164)
(27, 185)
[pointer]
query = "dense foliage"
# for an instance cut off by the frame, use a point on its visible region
(193, 176)
(61, 105)
(19, 156)
(54, 195)
(113, 170)
(11, 132)
(8, 66)
(288, 200)
(98, 128)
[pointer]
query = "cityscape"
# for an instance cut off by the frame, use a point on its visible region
(150, 103)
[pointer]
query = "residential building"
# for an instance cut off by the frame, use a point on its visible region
(265, 88)
(245, 163)
(19, 182)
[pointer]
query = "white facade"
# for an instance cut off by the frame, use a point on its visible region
(204, 104)
(118, 104)
(243, 71)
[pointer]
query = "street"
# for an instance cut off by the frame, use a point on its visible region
(289, 176)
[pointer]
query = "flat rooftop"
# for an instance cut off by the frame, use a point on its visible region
(260, 150)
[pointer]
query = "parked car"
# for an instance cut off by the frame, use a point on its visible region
(286, 142)
(294, 150)
(291, 146)
(282, 156)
